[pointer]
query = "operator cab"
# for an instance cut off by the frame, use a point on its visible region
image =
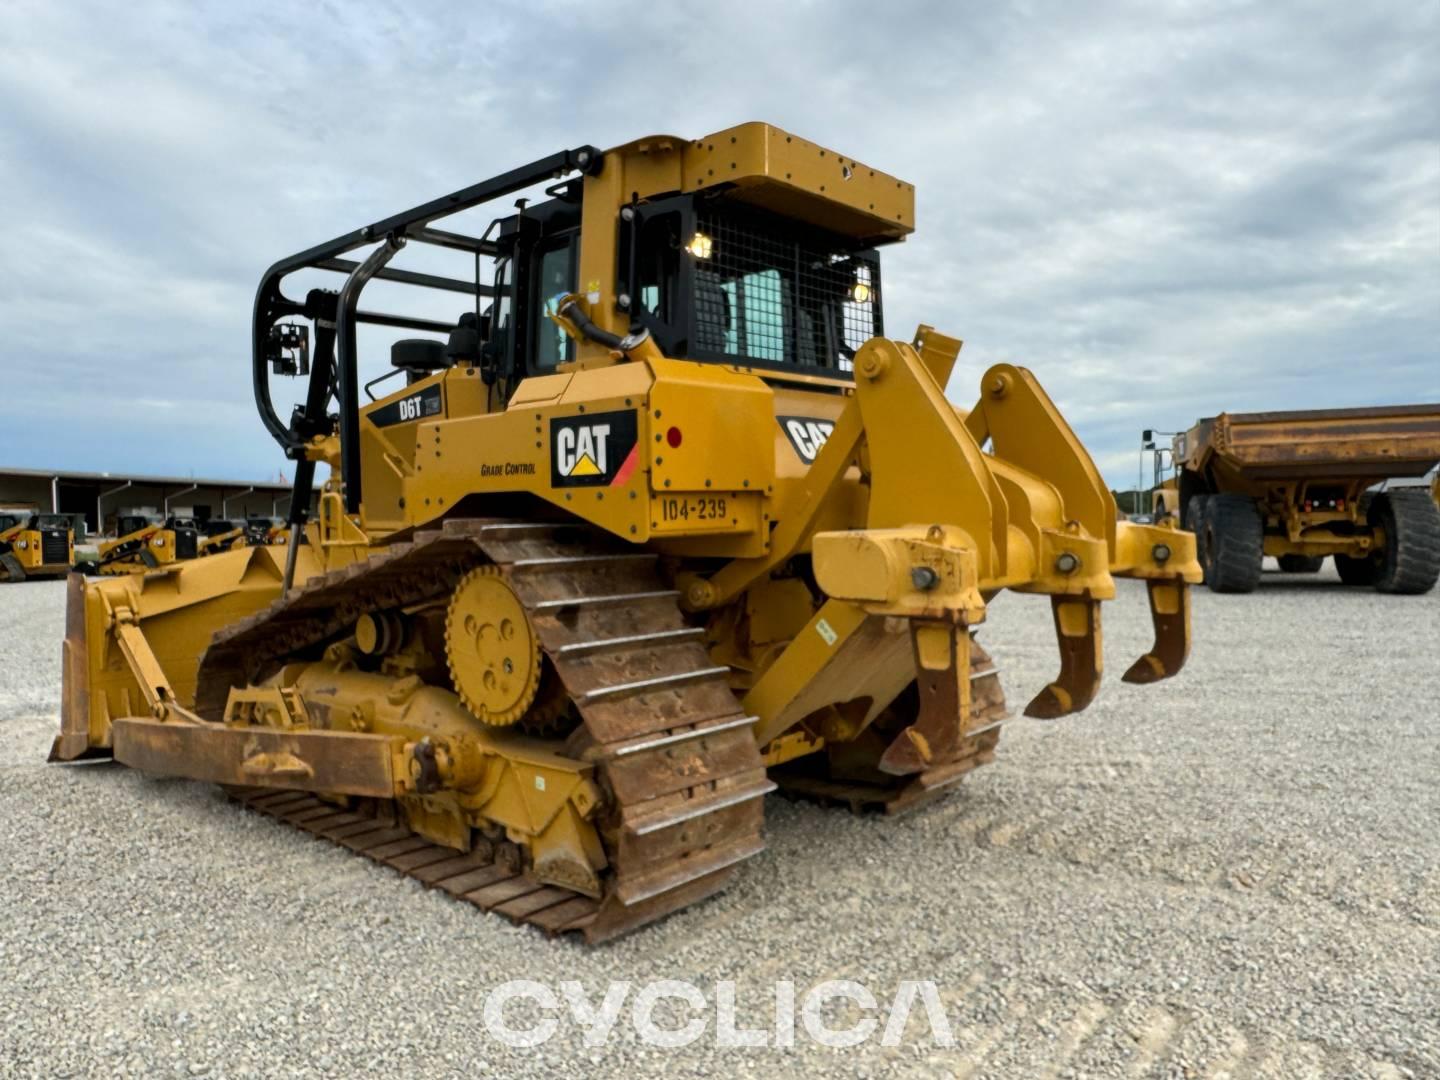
(750, 248)
(126, 524)
(712, 279)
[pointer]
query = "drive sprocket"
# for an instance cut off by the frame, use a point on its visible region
(491, 648)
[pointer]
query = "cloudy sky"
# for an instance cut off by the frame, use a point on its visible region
(1163, 210)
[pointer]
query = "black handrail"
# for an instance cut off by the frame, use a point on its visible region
(272, 305)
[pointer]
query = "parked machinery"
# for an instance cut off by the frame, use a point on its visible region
(35, 545)
(662, 521)
(264, 530)
(142, 543)
(220, 534)
(1296, 486)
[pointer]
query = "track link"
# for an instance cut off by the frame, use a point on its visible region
(670, 745)
(475, 877)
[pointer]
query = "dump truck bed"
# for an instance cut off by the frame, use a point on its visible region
(1380, 442)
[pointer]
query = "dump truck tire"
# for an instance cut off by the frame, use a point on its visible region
(1234, 543)
(1194, 522)
(1301, 564)
(1411, 560)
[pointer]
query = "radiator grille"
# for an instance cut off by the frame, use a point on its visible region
(54, 546)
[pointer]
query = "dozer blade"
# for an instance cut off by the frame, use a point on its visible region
(73, 739)
(1170, 612)
(1077, 625)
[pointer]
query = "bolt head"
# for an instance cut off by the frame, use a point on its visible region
(873, 365)
(623, 300)
(924, 578)
(1067, 562)
(1160, 553)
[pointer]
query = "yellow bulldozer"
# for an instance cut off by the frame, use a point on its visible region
(35, 545)
(663, 521)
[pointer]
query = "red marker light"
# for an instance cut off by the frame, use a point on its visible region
(673, 436)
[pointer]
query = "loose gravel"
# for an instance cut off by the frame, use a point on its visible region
(1233, 874)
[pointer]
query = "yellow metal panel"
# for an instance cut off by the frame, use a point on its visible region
(801, 179)
(512, 452)
(541, 390)
(724, 425)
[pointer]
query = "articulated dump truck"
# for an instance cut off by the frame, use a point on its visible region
(1295, 486)
(660, 522)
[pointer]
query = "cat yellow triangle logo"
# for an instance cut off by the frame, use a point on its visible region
(584, 466)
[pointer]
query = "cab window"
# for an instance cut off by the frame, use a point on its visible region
(555, 277)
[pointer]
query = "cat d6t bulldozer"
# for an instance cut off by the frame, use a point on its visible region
(661, 521)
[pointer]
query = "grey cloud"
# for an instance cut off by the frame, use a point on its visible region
(1163, 210)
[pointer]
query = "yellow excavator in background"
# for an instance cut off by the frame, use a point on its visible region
(662, 521)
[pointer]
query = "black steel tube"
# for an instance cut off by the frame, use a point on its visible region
(405, 322)
(271, 304)
(347, 375)
(406, 277)
(458, 241)
(304, 482)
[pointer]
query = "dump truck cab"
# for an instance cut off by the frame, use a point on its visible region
(35, 545)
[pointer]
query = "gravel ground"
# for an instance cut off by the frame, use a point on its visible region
(1237, 873)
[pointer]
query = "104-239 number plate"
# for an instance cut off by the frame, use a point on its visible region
(702, 509)
(693, 513)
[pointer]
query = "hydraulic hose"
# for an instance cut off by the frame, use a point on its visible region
(572, 310)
